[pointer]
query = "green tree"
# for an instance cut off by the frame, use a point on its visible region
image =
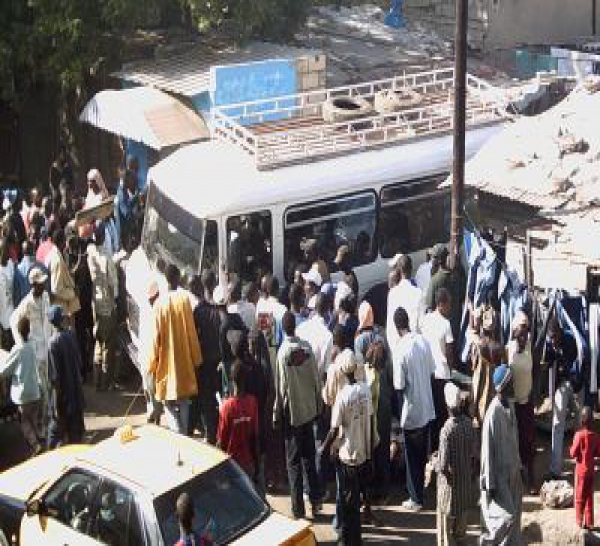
(65, 43)
(264, 19)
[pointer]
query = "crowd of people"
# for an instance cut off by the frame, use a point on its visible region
(60, 295)
(300, 386)
(306, 376)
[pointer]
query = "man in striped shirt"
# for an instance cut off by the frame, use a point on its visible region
(456, 466)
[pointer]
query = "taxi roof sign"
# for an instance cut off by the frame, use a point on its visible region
(125, 434)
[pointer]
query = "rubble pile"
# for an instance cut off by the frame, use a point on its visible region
(367, 20)
(360, 47)
(555, 156)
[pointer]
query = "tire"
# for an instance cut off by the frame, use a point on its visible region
(340, 109)
(389, 101)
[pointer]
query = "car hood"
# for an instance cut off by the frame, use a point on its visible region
(21, 480)
(278, 529)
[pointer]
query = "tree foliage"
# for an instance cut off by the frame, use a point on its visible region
(64, 43)
(266, 19)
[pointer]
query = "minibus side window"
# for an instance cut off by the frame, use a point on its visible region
(210, 257)
(415, 215)
(341, 221)
(250, 245)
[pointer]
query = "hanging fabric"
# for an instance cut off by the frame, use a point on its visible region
(514, 297)
(594, 325)
(481, 279)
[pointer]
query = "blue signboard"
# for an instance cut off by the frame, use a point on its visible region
(254, 81)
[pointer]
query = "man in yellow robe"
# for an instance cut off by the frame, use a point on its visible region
(175, 353)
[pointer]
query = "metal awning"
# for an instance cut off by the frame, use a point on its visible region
(189, 73)
(146, 115)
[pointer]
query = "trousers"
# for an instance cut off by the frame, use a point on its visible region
(441, 410)
(29, 414)
(301, 455)
(350, 485)
(415, 452)
(178, 415)
(42, 367)
(584, 500)
(451, 531)
(563, 399)
(104, 352)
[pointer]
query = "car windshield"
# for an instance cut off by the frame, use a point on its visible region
(225, 505)
(171, 234)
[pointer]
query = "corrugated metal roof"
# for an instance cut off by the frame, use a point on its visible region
(188, 73)
(145, 115)
(545, 161)
(518, 195)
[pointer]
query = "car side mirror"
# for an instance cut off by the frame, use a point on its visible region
(38, 507)
(34, 508)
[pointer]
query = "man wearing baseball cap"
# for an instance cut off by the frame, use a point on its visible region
(501, 484)
(444, 275)
(35, 307)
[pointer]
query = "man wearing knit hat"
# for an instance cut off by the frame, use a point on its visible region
(457, 455)
(351, 423)
(501, 484)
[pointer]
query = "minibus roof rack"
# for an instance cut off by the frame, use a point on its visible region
(291, 129)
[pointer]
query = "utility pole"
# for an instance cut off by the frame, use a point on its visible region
(460, 98)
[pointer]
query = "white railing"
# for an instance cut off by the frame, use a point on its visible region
(291, 128)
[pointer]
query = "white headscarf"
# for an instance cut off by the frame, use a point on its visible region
(93, 199)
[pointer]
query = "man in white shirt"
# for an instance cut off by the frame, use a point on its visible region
(312, 286)
(351, 421)
(245, 309)
(406, 295)
(437, 331)
(315, 331)
(35, 307)
(269, 312)
(413, 367)
(336, 378)
(423, 274)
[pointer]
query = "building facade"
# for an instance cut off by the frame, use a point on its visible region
(503, 24)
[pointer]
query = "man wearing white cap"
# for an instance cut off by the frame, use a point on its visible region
(456, 464)
(312, 285)
(35, 307)
(351, 424)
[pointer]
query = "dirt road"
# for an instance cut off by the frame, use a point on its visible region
(107, 411)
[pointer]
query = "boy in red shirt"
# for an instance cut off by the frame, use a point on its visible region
(586, 446)
(237, 434)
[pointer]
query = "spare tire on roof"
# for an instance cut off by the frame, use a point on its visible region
(339, 109)
(392, 100)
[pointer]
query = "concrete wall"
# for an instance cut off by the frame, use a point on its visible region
(497, 24)
(513, 22)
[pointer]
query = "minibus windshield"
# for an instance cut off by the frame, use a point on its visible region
(171, 234)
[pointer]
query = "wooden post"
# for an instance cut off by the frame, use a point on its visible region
(460, 95)
(529, 264)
